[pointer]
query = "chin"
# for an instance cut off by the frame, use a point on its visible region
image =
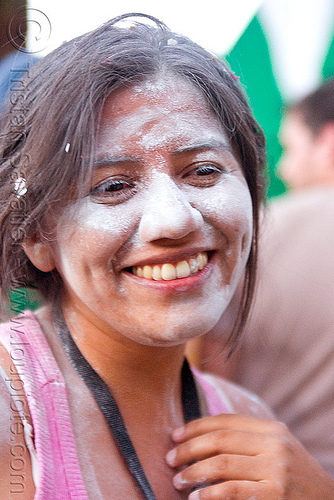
(173, 334)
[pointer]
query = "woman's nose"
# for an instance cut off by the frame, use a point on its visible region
(167, 212)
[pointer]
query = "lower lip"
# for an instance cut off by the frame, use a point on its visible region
(178, 285)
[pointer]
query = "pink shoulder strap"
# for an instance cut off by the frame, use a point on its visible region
(58, 468)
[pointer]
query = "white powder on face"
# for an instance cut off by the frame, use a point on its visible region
(157, 126)
(167, 213)
(163, 90)
(160, 136)
(99, 217)
(228, 206)
(232, 203)
(146, 124)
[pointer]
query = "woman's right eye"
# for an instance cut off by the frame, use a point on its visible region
(114, 190)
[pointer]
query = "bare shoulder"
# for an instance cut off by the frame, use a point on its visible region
(239, 399)
(15, 471)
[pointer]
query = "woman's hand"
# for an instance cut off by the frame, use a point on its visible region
(245, 458)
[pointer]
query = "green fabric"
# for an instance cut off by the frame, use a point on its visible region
(250, 59)
(328, 66)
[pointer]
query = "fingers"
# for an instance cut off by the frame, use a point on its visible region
(229, 453)
(226, 477)
(227, 422)
(240, 457)
(236, 490)
(220, 468)
(227, 434)
(216, 443)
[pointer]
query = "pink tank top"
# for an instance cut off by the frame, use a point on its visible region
(59, 474)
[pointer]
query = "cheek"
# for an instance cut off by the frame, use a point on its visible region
(89, 235)
(229, 208)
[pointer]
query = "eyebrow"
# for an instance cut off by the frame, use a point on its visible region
(109, 160)
(213, 144)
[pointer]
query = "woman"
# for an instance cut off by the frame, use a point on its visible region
(136, 178)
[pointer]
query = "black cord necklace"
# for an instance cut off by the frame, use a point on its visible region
(108, 405)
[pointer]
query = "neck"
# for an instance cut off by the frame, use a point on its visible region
(143, 379)
(145, 383)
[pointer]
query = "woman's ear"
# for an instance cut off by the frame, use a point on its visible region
(39, 253)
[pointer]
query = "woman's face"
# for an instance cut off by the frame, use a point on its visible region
(155, 250)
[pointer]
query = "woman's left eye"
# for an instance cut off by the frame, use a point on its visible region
(204, 175)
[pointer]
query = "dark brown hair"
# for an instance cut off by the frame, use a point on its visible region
(317, 108)
(62, 101)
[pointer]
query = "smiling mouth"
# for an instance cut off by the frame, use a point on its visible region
(169, 271)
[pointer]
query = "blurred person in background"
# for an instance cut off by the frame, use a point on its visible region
(287, 353)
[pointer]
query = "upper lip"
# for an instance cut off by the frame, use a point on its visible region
(165, 257)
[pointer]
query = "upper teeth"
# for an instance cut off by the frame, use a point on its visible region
(168, 271)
